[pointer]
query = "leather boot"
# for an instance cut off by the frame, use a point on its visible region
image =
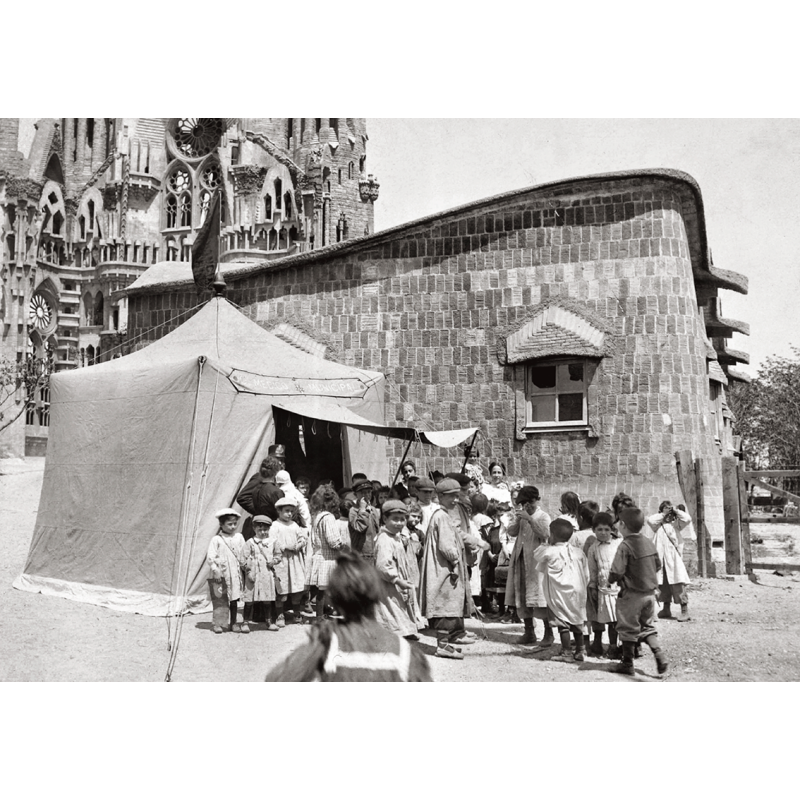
(625, 667)
(684, 615)
(665, 612)
(528, 637)
(596, 647)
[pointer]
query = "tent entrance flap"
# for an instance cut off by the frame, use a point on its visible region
(313, 447)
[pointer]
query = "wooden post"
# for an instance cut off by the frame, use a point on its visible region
(734, 563)
(684, 461)
(703, 542)
(744, 515)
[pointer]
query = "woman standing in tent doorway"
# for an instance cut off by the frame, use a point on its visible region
(226, 557)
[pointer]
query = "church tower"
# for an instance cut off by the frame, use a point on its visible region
(88, 205)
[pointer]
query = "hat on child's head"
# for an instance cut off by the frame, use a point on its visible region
(285, 501)
(277, 450)
(425, 484)
(447, 486)
(282, 476)
(262, 518)
(227, 512)
(363, 484)
(394, 505)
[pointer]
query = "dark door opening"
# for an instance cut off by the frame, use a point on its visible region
(318, 455)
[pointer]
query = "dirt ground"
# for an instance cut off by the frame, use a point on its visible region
(740, 630)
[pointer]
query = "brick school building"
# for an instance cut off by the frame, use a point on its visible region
(578, 323)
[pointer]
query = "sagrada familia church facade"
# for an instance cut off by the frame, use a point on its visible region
(578, 323)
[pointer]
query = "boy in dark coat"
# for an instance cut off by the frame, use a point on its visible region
(635, 568)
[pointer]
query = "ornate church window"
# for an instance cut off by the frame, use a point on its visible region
(196, 137)
(179, 198)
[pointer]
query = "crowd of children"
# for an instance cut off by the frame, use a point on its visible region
(583, 574)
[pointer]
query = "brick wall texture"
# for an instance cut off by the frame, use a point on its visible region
(429, 304)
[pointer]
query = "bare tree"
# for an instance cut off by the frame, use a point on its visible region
(20, 384)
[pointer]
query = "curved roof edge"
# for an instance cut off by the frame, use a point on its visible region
(363, 242)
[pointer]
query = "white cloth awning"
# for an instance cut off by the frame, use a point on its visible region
(327, 409)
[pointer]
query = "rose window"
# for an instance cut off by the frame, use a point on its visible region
(39, 312)
(195, 137)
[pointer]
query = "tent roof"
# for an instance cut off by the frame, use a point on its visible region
(256, 360)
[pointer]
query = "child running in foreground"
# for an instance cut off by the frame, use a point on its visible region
(602, 604)
(635, 568)
(564, 586)
(226, 557)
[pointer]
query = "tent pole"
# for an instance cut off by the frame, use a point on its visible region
(469, 451)
(402, 461)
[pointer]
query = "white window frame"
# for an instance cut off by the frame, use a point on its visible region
(531, 391)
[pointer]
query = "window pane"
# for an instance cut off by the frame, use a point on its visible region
(570, 376)
(570, 407)
(543, 408)
(543, 377)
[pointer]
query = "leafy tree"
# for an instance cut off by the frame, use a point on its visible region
(767, 415)
(20, 382)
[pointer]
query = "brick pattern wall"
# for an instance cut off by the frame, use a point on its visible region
(427, 309)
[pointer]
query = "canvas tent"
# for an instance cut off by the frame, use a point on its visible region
(144, 448)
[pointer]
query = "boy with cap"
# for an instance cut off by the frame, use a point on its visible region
(397, 610)
(259, 584)
(444, 584)
(635, 568)
(226, 557)
(290, 562)
(425, 495)
(365, 520)
(530, 529)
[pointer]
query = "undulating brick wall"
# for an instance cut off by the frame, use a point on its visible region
(430, 305)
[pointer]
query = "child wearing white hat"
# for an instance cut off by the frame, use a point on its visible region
(226, 558)
(290, 560)
(284, 482)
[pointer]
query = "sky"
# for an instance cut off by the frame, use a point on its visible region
(748, 171)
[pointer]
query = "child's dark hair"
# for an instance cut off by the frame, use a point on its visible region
(571, 504)
(355, 587)
(344, 508)
(586, 514)
(527, 494)
(561, 529)
(620, 501)
(602, 518)
(302, 479)
(479, 502)
(492, 510)
(633, 519)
